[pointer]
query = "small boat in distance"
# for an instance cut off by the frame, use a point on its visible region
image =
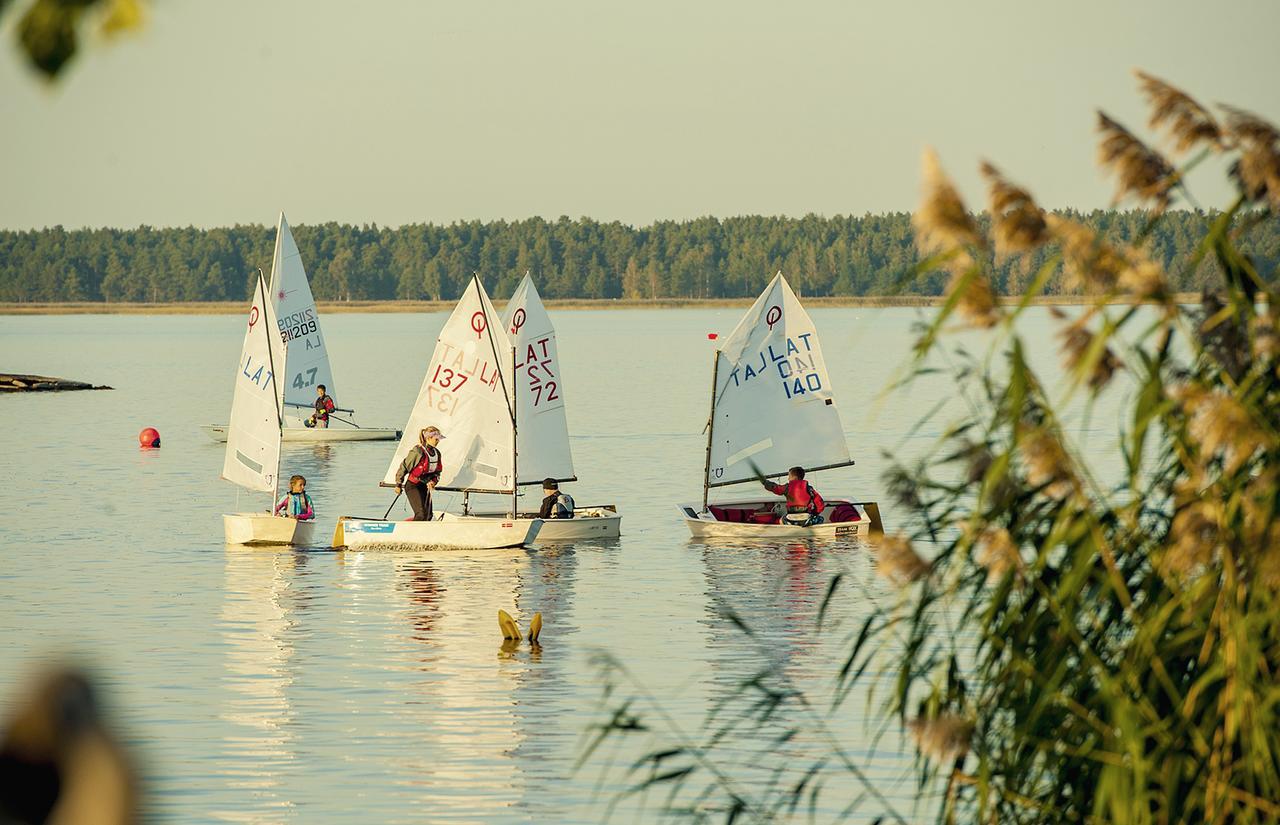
(467, 393)
(253, 437)
(308, 356)
(772, 408)
(542, 440)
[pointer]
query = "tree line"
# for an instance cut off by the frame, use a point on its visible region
(582, 258)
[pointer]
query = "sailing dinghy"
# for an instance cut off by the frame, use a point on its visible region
(299, 323)
(542, 440)
(253, 436)
(467, 394)
(772, 408)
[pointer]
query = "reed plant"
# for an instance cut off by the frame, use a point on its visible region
(1065, 646)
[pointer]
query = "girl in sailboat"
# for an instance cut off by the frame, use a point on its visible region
(804, 505)
(296, 503)
(419, 472)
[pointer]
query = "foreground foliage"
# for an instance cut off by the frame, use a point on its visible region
(1076, 647)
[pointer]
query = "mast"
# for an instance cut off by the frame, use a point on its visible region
(711, 428)
(275, 392)
(515, 442)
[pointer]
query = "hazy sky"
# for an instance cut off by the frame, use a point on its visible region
(397, 111)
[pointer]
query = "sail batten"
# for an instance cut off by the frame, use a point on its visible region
(252, 458)
(465, 394)
(773, 405)
(299, 323)
(543, 433)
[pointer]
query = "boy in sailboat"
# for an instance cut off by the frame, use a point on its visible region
(296, 503)
(419, 472)
(324, 406)
(555, 504)
(804, 505)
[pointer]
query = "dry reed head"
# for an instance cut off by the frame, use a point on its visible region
(1221, 426)
(1194, 538)
(1046, 462)
(997, 553)
(1077, 342)
(1094, 266)
(977, 303)
(1257, 171)
(1140, 171)
(1017, 222)
(1264, 329)
(942, 223)
(1188, 122)
(944, 738)
(898, 562)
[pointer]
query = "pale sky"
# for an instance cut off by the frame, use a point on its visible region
(400, 111)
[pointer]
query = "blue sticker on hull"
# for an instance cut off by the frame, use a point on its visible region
(370, 526)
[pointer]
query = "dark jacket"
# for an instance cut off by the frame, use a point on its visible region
(556, 505)
(411, 460)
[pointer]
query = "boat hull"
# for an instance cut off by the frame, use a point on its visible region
(218, 432)
(266, 529)
(447, 532)
(704, 524)
(602, 522)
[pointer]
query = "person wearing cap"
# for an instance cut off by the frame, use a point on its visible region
(555, 504)
(419, 472)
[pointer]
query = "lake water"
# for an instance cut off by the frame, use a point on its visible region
(261, 685)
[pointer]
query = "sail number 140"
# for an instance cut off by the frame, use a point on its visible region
(795, 387)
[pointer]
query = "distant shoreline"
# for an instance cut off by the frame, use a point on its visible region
(328, 307)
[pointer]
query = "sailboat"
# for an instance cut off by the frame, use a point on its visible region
(299, 321)
(542, 441)
(467, 393)
(253, 436)
(772, 408)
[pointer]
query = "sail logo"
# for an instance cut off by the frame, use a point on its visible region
(253, 315)
(794, 359)
(773, 316)
(517, 321)
(536, 367)
(257, 378)
(478, 323)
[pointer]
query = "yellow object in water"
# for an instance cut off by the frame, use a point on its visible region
(510, 630)
(535, 627)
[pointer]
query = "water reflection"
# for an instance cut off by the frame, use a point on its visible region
(256, 623)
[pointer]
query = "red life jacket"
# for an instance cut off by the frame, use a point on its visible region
(324, 406)
(423, 467)
(801, 495)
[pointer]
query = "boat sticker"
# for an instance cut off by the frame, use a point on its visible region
(370, 526)
(851, 530)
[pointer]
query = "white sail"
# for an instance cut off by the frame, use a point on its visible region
(773, 401)
(543, 433)
(299, 324)
(465, 394)
(253, 437)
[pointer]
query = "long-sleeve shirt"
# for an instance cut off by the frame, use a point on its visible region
(296, 505)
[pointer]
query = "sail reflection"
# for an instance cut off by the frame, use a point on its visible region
(255, 625)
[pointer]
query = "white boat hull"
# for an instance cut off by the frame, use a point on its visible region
(703, 524)
(218, 432)
(448, 531)
(264, 528)
(602, 522)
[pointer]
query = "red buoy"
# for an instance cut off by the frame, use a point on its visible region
(149, 438)
(711, 336)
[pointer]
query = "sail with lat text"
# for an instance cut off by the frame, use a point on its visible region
(252, 459)
(773, 399)
(299, 324)
(465, 393)
(543, 431)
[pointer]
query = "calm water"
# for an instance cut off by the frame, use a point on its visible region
(262, 685)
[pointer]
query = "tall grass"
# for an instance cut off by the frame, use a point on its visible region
(1071, 650)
